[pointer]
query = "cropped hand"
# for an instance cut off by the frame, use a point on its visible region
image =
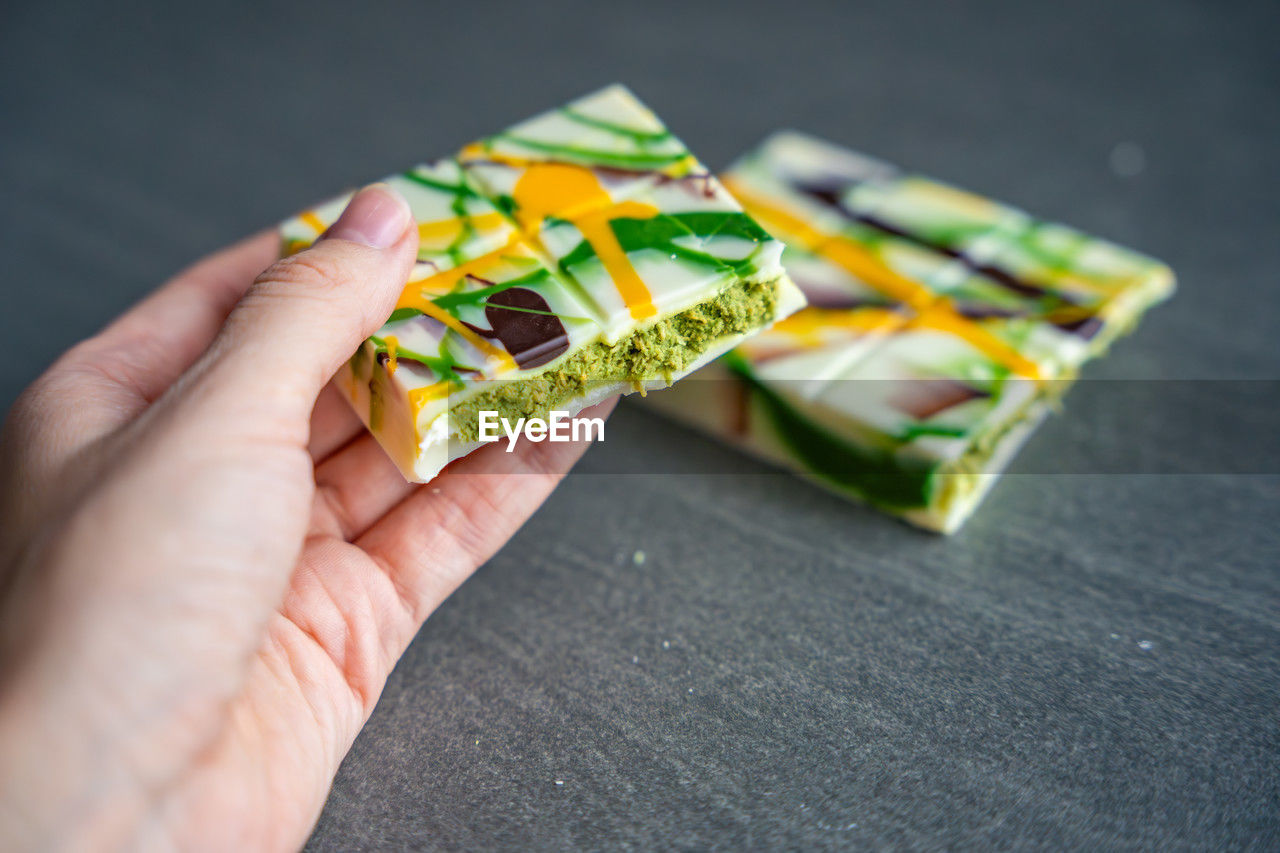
(208, 568)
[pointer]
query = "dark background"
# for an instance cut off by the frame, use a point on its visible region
(1091, 662)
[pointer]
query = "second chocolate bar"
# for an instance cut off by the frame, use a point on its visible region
(942, 326)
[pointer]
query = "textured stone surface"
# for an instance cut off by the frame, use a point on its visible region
(1092, 662)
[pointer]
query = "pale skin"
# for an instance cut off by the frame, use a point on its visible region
(207, 567)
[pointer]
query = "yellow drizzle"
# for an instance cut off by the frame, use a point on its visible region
(808, 325)
(942, 318)
(933, 311)
(419, 397)
(841, 251)
(502, 356)
(393, 344)
(847, 254)
(415, 296)
(957, 199)
(415, 293)
(447, 230)
(574, 194)
(314, 221)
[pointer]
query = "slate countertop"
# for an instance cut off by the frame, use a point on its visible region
(1091, 663)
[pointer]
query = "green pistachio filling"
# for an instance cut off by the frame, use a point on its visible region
(662, 349)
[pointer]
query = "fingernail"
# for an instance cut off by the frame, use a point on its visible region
(376, 216)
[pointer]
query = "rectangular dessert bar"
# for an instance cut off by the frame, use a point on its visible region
(941, 327)
(582, 253)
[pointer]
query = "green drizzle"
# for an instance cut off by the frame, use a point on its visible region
(660, 232)
(403, 314)
(616, 129)
(465, 233)
(638, 160)
(878, 476)
(915, 431)
(444, 365)
(460, 189)
(480, 295)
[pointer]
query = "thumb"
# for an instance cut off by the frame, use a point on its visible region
(306, 314)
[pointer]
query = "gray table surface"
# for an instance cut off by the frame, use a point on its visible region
(1091, 663)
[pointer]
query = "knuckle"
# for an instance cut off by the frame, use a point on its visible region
(119, 360)
(312, 272)
(87, 351)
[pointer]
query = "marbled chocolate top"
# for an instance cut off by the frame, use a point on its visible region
(959, 307)
(576, 226)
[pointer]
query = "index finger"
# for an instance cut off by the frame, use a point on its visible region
(152, 344)
(106, 381)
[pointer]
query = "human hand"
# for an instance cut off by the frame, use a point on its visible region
(208, 568)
